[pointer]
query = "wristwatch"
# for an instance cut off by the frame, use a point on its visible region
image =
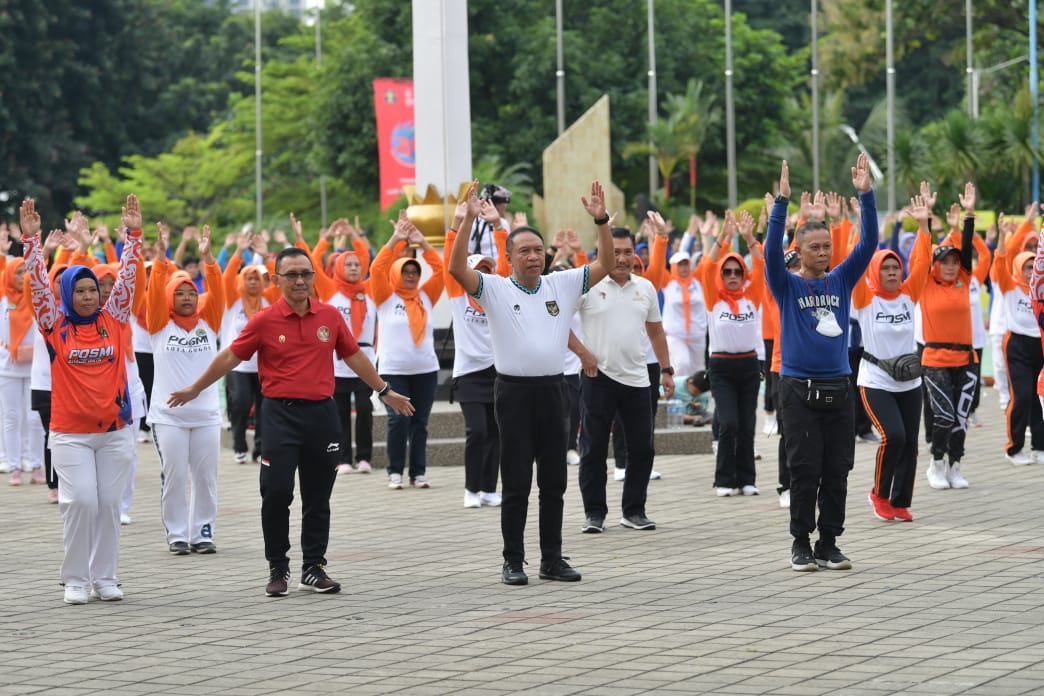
(667, 371)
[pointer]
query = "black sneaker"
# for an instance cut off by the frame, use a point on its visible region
(204, 547)
(315, 579)
(278, 578)
(558, 569)
(830, 557)
(179, 548)
(637, 522)
(593, 525)
(801, 558)
(513, 574)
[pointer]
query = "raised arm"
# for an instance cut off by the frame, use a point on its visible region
(775, 268)
(595, 207)
(468, 278)
(968, 203)
(1037, 279)
(44, 306)
(121, 300)
(855, 265)
(212, 302)
(380, 285)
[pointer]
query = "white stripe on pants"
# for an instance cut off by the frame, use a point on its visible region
(23, 432)
(92, 470)
(188, 454)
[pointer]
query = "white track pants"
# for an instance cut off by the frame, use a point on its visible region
(687, 356)
(23, 432)
(92, 471)
(188, 455)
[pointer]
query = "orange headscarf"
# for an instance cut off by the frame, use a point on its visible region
(731, 297)
(20, 315)
(178, 279)
(415, 311)
(873, 274)
(684, 284)
(1016, 269)
(251, 303)
(108, 270)
(356, 292)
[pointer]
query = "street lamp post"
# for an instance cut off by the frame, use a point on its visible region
(890, 96)
(730, 115)
(815, 95)
(560, 72)
(1033, 79)
(318, 62)
(652, 95)
(257, 113)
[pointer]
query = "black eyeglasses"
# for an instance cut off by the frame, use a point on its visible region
(295, 276)
(732, 271)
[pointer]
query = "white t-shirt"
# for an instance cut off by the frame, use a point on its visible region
(572, 360)
(674, 315)
(396, 352)
(888, 331)
(366, 337)
(998, 322)
(1018, 313)
(8, 367)
(140, 339)
(530, 328)
(613, 318)
(179, 358)
(472, 346)
(735, 332)
(232, 325)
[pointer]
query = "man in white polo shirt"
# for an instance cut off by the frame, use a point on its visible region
(529, 316)
(617, 315)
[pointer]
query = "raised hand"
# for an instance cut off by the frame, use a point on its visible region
(968, 198)
(833, 205)
(573, 240)
(30, 219)
(401, 232)
(204, 245)
(694, 224)
(710, 224)
(474, 205)
(857, 210)
(519, 219)
(279, 236)
(162, 238)
(927, 194)
(806, 205)
(819, 208)
(861, 174)
(784, 180)
(920, 211)
(658, 224)
(5, 240)
(489, 212)
(53, 241)
(131, 213)
(559, 240)
(728, 228)
(459, 213)
(745, 223)
(1031, 211)
(101, 233)
(595, 206)
(298, 229)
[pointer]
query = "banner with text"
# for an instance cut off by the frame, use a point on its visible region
(393, 104)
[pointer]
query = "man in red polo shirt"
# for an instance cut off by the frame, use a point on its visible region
(293, 339)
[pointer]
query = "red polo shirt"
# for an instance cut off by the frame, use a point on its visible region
(293, 351)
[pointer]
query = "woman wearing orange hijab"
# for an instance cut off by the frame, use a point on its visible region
(1022, 352)
(23, 435)
(406, 345)
(733, 297)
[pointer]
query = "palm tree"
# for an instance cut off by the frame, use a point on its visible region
(696, 115)
(954, 146)
(1008, 142)
(664, 145)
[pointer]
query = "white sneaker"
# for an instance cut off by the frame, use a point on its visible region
(27, 466)
(363, 466)
(572, 457)
(714, 446)
(5, 468)
(420, 482)
(491, 499)
(973, 420)
(472, 500)
(125, 519)
(1038, 456)
(1003, 404)
(240, 457)
(954, 477)
(750, 490)
(726, 492)
(771, 426)
(395, 481)
(619, 474)
(1019, 458)
(937, 474)
(784, 499)
(76, 595)
(109, 593)
(655, 475)
(143, 436)
(344, 468)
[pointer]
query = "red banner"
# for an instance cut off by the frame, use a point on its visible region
(393, 104)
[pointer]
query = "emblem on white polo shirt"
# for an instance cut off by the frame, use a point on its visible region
(282, 338)
(552, 307)
(323, 333)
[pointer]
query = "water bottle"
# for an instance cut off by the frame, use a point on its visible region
(674, 414)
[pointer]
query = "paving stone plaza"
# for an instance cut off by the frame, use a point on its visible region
(952, 603)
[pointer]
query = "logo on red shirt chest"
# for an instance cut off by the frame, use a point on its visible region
(323, 333)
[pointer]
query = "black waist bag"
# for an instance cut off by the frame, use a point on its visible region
(826, 394)
(901, 368)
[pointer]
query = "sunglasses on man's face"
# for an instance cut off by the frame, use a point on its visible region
(732, 271)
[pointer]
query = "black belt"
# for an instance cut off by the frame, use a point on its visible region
(365, 345)
(541, 379)
(298, 402)
(949, 346)
(722, 354)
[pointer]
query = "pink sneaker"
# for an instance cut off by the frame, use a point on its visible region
(16, 478)
(344, 468)
(363, 466)
(38, 476)
(52, 495)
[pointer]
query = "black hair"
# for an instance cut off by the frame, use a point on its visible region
(519, 230)
(700, 381)
(290, 251)
(809, 226)
(623, 233)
